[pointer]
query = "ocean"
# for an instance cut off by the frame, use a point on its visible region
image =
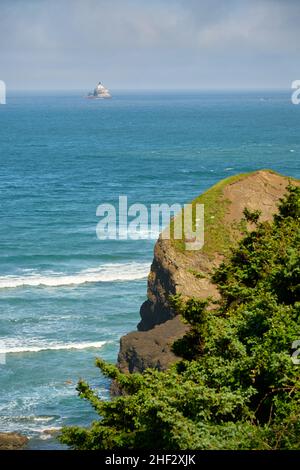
(66, 297)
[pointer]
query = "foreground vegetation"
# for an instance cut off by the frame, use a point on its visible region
(236, 386)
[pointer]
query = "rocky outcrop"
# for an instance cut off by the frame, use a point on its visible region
(152, 348)
(172, 272)
(12, 441)
(175, 270)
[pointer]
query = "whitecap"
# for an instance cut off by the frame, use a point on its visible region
(43, 418)
(31, 348)
(109, 272)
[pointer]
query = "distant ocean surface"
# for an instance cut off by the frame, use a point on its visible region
(65, 296)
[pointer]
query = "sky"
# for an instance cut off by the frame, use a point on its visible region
(149, 44)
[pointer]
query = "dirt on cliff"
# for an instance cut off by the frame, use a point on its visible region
(175, 270)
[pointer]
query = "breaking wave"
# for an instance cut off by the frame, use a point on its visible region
(106, 273)
(49, 347)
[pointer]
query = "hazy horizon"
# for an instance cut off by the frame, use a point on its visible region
(152, 90)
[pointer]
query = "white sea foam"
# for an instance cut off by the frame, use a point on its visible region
(47, 433)
(43, 418)
(8, 349)
(106, 273)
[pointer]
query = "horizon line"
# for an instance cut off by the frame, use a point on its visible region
(203, 89)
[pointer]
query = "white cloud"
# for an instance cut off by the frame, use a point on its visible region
(58, 41)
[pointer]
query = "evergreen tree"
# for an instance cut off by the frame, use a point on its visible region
(236, 386)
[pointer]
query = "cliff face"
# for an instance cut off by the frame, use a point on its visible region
(175, 270)
(142, 349)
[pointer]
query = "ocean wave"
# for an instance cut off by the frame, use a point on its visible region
(109, 272)
(48, 433)
(42, 418)
(50, 347)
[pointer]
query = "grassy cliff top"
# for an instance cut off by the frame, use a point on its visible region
(224, 204)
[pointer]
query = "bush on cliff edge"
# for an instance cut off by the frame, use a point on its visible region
(236, 386)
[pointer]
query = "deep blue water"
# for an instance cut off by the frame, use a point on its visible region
(60, 287)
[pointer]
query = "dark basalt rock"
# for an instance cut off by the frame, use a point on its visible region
(140, 350)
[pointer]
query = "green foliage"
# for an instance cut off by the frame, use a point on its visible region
(290, 205)
(251, 216)
(197, 274)
(236, 386)
(194, 313)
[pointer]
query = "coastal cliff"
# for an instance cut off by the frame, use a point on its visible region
(175, 270)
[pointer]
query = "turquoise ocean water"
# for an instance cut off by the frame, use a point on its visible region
(65, 296)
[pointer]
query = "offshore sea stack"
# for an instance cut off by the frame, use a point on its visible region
(175, 270)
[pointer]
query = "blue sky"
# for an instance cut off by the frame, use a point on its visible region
(157, 44)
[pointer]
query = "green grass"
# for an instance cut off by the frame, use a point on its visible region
(218, 235)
